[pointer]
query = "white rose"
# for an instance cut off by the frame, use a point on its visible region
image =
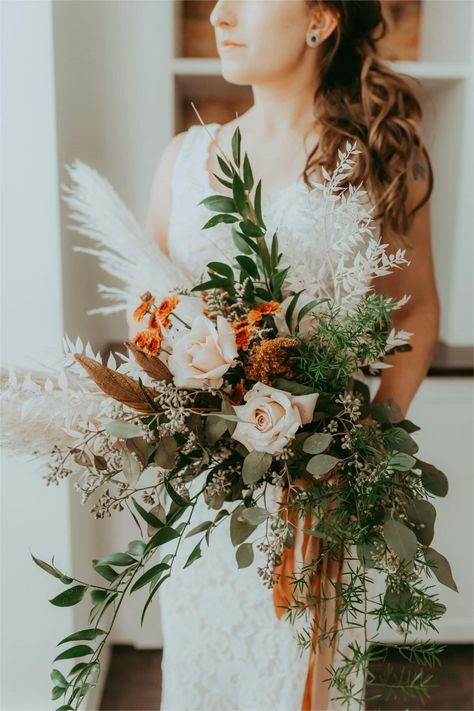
(201, 355)
(271, 417)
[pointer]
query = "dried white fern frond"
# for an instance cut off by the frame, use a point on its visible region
(122, 248)
(355, 254)
(39, 407)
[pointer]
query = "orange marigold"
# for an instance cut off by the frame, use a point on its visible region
(256, 314)
(243, 336)
(148, 341)
(147, 302)
(162, 312)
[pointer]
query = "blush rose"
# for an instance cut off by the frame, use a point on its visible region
(271, 418)
(202, 354)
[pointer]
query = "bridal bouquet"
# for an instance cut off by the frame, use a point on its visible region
(234, 386)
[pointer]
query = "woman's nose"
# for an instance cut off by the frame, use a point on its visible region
(223, 14)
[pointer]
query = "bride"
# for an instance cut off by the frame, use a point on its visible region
(317, 81)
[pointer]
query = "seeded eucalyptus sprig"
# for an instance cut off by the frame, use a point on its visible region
(256, 265)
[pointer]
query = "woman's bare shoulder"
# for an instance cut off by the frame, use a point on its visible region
(159, 206)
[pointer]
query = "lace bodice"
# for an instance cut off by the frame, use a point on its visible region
(224, 647)
(301, 216)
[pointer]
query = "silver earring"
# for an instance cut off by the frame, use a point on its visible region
(313, 39)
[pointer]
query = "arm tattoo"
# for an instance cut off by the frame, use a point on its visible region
(418, 164)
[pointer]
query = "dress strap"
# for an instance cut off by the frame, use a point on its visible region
(190, 167)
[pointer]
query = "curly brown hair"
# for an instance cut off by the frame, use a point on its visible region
(360, 98)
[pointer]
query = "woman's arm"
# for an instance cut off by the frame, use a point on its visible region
(421, 315)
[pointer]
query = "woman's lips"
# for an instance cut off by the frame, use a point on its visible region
(230, 45)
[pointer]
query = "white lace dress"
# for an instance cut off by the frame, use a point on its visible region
(224, 648)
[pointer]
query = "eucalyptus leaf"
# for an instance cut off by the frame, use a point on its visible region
(422, 513)
(131, 466)
(255, 465)
(165, 455)
(255, 515)
(398, 439)
(317, 442)
(121, 429)
(214, 428)
(240, 529)
(401, 462)
(291, 386)
(400, 539)
(434, 480)
(321, 464)
(368, 554)
(441, 568)
(244, 555)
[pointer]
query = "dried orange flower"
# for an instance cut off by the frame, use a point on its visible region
(269, 359)
(148, 341)
(243, 336)
(162, 312)
(256, 314)
(147, 302)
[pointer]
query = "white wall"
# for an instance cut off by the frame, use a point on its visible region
(33, 517)
(108, 77)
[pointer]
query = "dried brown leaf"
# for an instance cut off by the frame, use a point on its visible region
(117, 385)
(153, 366)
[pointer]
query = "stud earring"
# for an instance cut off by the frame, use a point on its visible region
(313, 39)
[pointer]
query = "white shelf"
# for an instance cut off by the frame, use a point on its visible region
(429, 71)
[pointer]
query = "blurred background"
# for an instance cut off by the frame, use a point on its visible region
(110, 82)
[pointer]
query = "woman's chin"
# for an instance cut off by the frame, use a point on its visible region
(234, 74)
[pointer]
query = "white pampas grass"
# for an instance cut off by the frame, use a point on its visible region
(123, 249)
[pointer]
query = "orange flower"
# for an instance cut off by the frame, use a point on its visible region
(162, 312)
(148, 341)
(256, 314)
(147, 302)
(243, 336)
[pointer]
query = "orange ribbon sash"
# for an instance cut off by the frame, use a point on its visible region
(324, 583)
